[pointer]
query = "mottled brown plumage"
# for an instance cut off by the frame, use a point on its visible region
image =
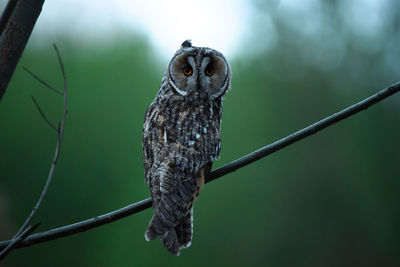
(181, 139)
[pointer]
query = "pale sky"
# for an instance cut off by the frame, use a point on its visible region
(225, 25)
(217, 24)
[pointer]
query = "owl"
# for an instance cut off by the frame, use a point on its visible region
(181, 139)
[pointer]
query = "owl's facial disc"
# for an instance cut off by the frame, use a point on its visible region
(199, 71)
(183, 73)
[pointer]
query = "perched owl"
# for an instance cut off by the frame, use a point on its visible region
(181, 138)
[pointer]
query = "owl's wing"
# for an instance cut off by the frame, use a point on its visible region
(153, 138)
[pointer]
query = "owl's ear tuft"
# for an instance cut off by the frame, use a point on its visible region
(187, 43)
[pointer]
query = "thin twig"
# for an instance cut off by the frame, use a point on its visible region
(60, 135)
(43, 115)
(16, 241)
(43, 82)
(228, 168)
(64, 93)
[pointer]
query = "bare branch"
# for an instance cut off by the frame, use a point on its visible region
(228, 168)
(17, 240)
(42, 82)
(297, 136)
(16, 25)
(60, 135)
(84, 225)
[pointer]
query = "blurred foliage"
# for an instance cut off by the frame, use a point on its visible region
(330, 200)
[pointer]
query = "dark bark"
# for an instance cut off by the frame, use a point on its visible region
(16, 25)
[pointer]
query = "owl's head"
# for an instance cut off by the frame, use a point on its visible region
(199, 71)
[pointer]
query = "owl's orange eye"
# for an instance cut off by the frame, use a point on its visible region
(209, 71)
(187, 70)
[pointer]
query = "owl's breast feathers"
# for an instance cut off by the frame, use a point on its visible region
(188, 135)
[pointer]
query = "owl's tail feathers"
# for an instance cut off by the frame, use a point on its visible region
(167, 235)
(184, 230)
(156, 229)
(174, 238)
(180, 236)
(170, 242)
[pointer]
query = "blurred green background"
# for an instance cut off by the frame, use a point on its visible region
(329, 200)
